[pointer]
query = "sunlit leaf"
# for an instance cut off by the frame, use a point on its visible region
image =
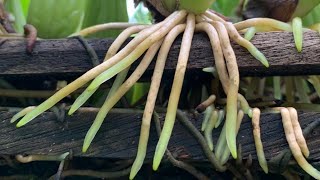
(226, 7)
(104, 11)
(56, 18)
(313, 17)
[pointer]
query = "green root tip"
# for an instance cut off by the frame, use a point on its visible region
(131, 176)
(133, 173)
(71, 111)
(262, 59)
(88, 139)
(64, 155)
(85, 147)
(155, 165)
(21, 123)
(259, 56)
(156, 159)
(233, 152)
(265, 169)
(232, 146)
(250, 33)
(210, 146)
(297, 33)
(250, 112)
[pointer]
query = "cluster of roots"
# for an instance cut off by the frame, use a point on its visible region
(150, 39)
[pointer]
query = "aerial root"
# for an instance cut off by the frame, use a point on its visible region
(217, 52)
(149, 39)
(203, 106)
(209, 127)
(175, 91)
(103, 27)
(109, 103)
(94, 72)
(294, 146)
(297, 32)
(21, 113)
(115, 46)
(298, 131)
(226, 152)
(257, 139)
(152, 95)
(232, 94)
(207, 115)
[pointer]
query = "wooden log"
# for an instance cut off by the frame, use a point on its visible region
(67, 57)
(119, 134)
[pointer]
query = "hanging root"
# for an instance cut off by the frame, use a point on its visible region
(298, 131)
(94, 72)
(226, 152)
(111, 52)
(257, 139)
(175, 92)
(297, 32)
(148, 40)
(294, 147)
(152, 95)
(232, 94)
(201, 107)
(109, 103)
(209, 127)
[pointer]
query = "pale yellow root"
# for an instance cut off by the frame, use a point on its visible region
(217, 52)
(103, 27)
(294, 147)
(152, 96)
(117, 43)
(298, 132)
(209, 101)
(175, 91)
(232, 94)
(257, 139)
(172, 21)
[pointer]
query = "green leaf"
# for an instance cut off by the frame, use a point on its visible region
(226, 7)
(312, 17)
(56, 18)
(25, 6)
(304, 7)
(104, 11)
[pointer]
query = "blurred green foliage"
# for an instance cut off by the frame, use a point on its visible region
(312, 17)
(104, 11)
(56, 18)
(226, 7)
